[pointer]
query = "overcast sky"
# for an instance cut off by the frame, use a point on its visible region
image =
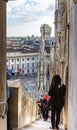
(24, 17)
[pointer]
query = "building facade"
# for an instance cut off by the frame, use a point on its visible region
(22, 62)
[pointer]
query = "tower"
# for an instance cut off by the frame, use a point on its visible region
(45, 30)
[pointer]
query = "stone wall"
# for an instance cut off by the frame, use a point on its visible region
(13, 107)
(68, 58)
(23, 109)
(72, 95)
(61, 51)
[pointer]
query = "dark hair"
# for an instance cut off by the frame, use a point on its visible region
(56, 80)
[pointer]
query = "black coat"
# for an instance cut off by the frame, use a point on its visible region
(57, 97)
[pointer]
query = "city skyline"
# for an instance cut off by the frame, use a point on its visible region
(25, 17)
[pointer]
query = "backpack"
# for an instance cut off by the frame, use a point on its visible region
(45, 105)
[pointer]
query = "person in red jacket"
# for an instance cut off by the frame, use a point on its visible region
(45, 106)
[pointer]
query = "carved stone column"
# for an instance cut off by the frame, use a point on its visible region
(72, 91)
(2, 60)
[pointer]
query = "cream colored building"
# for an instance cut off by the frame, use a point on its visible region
(25, 61)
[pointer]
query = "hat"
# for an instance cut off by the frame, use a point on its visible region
(46, 97)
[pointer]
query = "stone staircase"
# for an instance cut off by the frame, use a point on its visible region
(41, 125)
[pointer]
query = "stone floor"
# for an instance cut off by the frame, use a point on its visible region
(40, 125)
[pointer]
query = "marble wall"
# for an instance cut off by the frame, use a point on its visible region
(23, 109)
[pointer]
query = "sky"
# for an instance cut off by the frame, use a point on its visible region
(25, 17)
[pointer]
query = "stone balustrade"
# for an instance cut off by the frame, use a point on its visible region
(23, 109)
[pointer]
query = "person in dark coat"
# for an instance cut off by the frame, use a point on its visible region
(57, 98)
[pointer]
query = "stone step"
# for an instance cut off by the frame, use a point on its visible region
(40, 125)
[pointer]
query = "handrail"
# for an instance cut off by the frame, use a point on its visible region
(2, 115)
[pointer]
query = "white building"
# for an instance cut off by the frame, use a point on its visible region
(24, 62)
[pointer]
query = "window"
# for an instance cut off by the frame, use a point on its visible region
(12, 60)
(32, 64)
(28, 59)
(22, 65)
(12, 66)
(18, 66)
(32, 70)
(17, 59)
(32, 58)
(23, 71)
(27, 64)
(27, 71)
(23, 59)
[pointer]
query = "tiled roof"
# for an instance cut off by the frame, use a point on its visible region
(27, 50)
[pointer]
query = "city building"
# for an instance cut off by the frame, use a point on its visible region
(22, 61)
(25, 60)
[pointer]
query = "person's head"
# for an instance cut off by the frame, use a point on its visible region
(46, 93)
(56, 80)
